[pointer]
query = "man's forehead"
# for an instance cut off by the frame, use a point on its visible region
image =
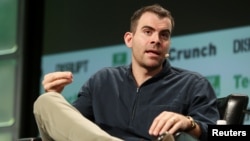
(152, 19)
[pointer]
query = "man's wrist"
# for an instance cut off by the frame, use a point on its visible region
(192, 123)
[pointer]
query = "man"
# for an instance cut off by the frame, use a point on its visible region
(137, 102)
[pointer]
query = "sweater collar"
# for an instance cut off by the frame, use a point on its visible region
(165, 69)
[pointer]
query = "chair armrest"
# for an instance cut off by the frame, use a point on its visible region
(30, 139)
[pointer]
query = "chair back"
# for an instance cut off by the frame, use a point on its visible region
(233, 108)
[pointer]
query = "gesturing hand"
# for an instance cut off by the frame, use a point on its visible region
(56, 81)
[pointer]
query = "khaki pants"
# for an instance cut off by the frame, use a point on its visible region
(58, 120)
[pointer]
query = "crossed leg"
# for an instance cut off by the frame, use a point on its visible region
(59, 120)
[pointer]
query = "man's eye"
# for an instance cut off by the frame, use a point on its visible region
(148, 32)
(165, 36)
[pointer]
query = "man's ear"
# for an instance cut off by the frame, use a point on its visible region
(128, 39)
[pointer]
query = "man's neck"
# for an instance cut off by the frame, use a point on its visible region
(142, 74)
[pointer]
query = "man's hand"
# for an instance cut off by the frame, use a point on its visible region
(172, 123)
(56, 81)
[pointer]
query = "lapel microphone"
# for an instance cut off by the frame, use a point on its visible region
(166, 55)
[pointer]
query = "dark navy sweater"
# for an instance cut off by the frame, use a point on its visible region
(112, 100)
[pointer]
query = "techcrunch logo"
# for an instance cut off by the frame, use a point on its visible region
(191, 53)
(217, 132)
(241, 81)
(119, 58)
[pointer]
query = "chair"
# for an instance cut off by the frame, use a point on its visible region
(30, 139)
(232, 109)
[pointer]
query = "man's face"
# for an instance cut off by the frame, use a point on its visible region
(151, 40)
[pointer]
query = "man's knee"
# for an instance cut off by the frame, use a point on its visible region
(46, 100)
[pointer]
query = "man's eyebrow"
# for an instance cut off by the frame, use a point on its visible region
(149, 27)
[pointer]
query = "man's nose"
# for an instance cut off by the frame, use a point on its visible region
(155, 38)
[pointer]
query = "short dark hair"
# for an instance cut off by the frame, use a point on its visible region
(155, 8)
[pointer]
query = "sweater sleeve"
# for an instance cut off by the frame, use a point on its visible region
(203, 106)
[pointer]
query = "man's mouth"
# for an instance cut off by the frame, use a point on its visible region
(155, 53)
